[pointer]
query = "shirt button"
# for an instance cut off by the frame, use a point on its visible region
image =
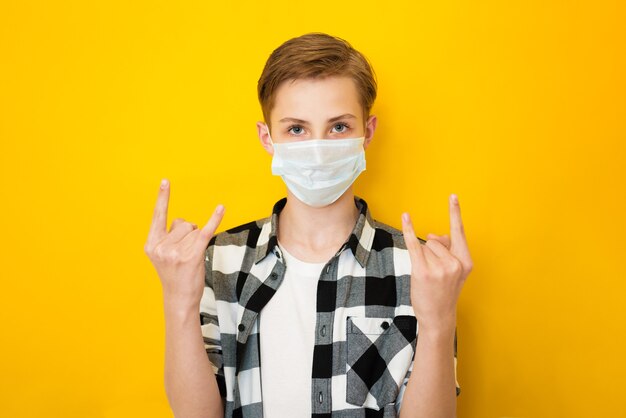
(323, 331)
(241, 327)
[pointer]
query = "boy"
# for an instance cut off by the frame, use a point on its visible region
(314, 310)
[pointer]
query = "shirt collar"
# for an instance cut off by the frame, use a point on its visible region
(359, 241)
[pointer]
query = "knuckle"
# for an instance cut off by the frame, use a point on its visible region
(444, 272)
(188, 225)
(173, 256)
(433, 243)
(456, 266)
(176, 222)
(158, 252)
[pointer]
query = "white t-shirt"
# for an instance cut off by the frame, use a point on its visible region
(287, 338)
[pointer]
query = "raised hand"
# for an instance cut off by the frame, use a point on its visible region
(178, 255)
(439, 269)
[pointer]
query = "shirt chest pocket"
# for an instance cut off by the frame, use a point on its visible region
(379, 354)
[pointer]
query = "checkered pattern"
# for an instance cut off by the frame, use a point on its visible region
(365, 331)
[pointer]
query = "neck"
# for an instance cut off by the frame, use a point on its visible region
(316, 234)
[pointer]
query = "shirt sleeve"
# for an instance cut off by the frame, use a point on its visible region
(456, 381)
(408, 375)
(209, 323)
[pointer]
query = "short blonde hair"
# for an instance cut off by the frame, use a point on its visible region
(316, 55)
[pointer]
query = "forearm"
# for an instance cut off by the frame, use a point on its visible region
(190, 383)
(431, 389)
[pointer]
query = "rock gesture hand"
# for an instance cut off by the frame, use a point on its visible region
(178, 255)
(439, 269)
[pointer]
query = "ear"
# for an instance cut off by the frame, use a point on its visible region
(264, 137)
(370, 127)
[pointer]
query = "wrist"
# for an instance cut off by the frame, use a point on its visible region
(436, 332)
(440, 327)
(176, 308)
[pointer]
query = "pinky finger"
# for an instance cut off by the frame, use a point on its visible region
(412, 244)
(209, 229)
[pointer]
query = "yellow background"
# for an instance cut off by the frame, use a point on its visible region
(518, 106)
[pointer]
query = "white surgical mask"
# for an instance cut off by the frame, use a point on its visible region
(319, 171)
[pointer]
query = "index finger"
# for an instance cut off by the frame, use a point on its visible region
(158, 228)
(458, 241)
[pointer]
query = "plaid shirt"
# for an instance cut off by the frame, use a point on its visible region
(365, 331)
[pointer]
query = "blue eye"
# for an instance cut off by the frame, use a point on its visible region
(296, 130)
(341, 127)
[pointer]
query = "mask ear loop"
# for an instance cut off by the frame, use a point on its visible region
(269, 136)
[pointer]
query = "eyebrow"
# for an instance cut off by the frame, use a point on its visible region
(304, 122)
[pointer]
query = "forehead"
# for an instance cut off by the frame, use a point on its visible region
(319, 98)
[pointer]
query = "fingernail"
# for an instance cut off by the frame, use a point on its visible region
(164, 183)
